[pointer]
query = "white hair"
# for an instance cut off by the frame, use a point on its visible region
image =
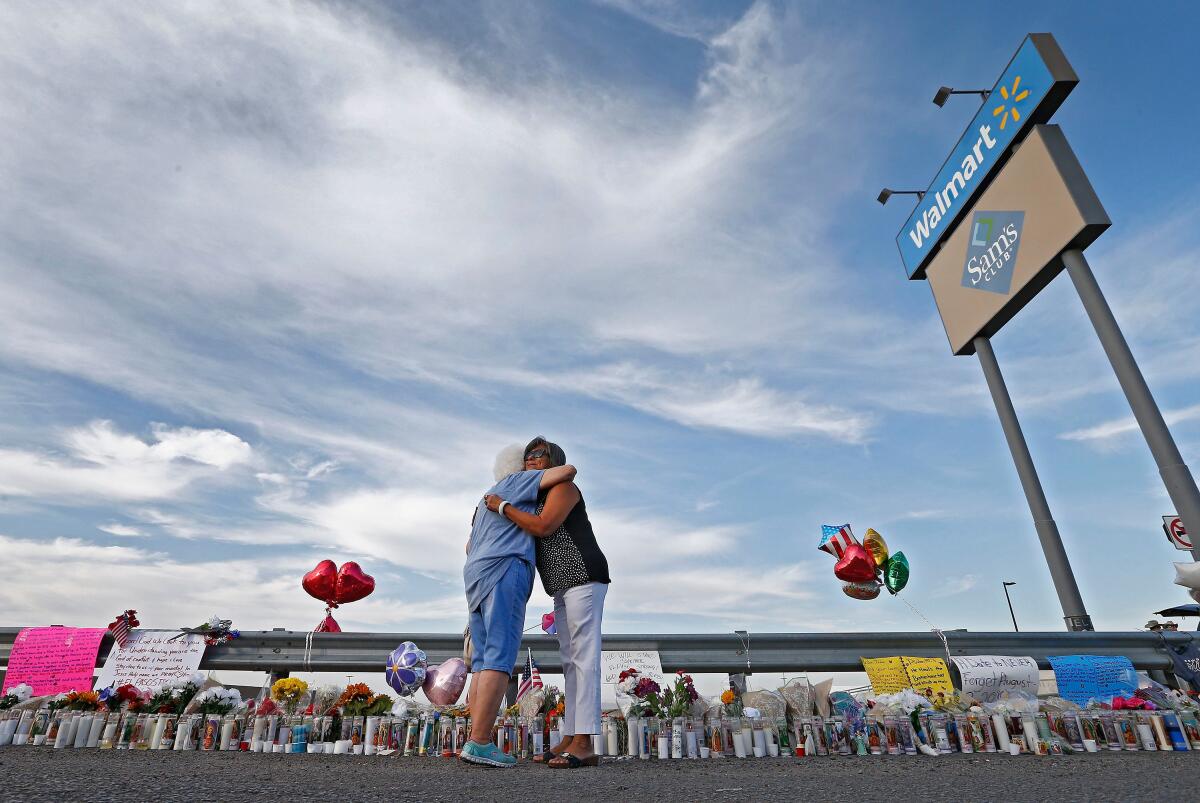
(510, 460)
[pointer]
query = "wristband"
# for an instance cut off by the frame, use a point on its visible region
(500, 510)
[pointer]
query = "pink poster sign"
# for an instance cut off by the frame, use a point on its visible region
(54, 659)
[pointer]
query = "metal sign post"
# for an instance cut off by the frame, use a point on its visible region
(1074, 614)
(1181, 486)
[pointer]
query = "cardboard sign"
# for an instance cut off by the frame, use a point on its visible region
(896, 673)
(986, 677)
(1081, 678)
(887, 675)
(151, 659)
(614, 662)
(54, 659)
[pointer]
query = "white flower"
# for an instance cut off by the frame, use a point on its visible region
(22, 692)
(214, 622)
(197, 679)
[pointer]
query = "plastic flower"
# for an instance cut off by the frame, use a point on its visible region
(646, 686)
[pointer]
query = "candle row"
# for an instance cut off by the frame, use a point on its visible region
(434, 734)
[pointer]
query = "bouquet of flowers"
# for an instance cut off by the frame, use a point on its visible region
(358, 701)
(731, 704)
(117, 696)
(645, 691)
(325, 698)
(172, 698)
(218, 700)
(215, 631)
(289, 692)
(56, 702)
(16, 695)
(82, 700)
(653, 700)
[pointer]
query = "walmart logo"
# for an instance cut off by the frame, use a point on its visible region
(1009, 109)
(992, 251)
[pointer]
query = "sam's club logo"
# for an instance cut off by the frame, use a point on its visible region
(992, 251)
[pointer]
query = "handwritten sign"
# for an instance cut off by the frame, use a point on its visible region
(1082, 678)
(150, 659)
(986, 677)
(614, 662)
(898, 672)
(54, 659)
(928, 675)
(887, 675)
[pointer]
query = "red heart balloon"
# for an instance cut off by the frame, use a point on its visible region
(856, 565)
(352, 583)
(321, 582)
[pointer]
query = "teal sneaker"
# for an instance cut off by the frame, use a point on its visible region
(487, 755)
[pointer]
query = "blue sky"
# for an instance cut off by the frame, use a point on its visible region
(280, 279)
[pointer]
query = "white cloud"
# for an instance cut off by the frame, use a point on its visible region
(956, 585)
(1115, 428)
(103, 463)
(121, 530)
(170, 593)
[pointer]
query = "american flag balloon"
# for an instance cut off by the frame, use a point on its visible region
(835, 539)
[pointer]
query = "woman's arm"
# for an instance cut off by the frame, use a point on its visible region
(559, 502)
(557, 475)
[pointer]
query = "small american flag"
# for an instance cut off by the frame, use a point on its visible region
(834, 540)
(121, 625)
(530, 677)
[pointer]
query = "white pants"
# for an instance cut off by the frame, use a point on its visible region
(577, 615)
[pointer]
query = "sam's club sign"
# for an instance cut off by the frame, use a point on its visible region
(1032, 86)
(992, 251)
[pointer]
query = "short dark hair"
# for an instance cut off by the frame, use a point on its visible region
(557, 456)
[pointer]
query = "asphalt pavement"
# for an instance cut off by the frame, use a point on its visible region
(34, 774)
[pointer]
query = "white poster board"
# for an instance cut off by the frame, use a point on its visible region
(614, 662)
(150, 659)
(986, 677)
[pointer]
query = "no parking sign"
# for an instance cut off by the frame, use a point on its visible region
(1173, 527)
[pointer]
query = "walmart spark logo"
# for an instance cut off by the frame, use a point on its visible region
(1006, 110)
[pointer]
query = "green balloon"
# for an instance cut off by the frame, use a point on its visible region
(895, 573)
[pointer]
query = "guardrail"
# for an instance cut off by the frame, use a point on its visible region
(284, 651)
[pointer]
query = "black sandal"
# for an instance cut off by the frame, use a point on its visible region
(574, 763)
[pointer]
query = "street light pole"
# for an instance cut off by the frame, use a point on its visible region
(1008, 583)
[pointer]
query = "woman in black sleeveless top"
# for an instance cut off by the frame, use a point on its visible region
(575, 572)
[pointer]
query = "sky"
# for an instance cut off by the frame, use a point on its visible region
(280, 279)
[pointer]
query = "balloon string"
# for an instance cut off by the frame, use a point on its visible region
(937, 631)
(308, 640)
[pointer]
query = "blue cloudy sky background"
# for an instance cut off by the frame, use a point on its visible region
(281, 278)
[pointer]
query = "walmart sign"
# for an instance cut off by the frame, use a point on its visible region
(1029, 91)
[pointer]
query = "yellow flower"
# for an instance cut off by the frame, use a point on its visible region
(288, 689)
(727, 696)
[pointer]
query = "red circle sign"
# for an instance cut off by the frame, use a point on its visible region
(1179, 534)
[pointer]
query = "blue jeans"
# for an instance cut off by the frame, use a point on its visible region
(497, 623)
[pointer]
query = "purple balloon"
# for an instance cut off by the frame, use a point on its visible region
(405, 669)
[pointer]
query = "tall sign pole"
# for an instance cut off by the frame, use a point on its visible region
(1181, 486)
(1074, 614)
(988, 235)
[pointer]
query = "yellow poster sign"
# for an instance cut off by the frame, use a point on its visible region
(927, 676)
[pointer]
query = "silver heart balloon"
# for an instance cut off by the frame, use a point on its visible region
(445, 682)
